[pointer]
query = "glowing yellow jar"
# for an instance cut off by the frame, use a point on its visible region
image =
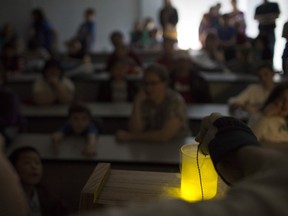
(198, 176)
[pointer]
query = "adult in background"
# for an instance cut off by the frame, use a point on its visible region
(159, 114)
(266, 15)
(285, 51)
(166, 57)
(236, 15)
(87, 31)
(168, 16)
(42, 31)
(227, 37)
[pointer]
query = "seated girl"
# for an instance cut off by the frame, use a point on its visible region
(270, 124)
(52, 87)
(117, 88)
(251, 99)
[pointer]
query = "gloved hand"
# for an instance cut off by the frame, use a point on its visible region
(207, 132)
(220, 136)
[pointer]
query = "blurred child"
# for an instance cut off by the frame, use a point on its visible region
(252, 98)
(52, 87)
(122, 52)
(27, 163)
(79, 123)
(118, 88)
(270, 123)
(76, 61)
(11, 60)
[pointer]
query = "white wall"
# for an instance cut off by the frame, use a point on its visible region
(66, 15)
(190, 14)
(16, 12)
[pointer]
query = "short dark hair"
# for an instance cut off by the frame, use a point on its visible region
(50, 64)
(89, 11)
(14, 156)
(158, 70)
(79, 108)
(116, 34)
(275, 94)
(38, 14)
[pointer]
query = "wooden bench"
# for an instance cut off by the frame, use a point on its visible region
(109, 188)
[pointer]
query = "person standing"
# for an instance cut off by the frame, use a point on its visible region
(87, 31)
(266, 14)
(168, 16)
(285, 51)
(42, 31)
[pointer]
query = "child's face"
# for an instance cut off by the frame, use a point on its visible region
(29, 168)
(79, 122)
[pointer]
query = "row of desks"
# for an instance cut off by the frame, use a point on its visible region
(108, 149)
(222, 86)
(195, 111)
(65, 173)
(110, 117)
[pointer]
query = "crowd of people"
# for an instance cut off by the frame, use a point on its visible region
(160, 101)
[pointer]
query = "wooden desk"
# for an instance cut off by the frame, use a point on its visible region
(111, 116)
(65, 173)
(195, 111)
(110, 187)
(108, 149)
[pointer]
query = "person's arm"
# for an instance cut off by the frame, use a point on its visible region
(90, 146)
(12, 198)
(222, 137)
(170, 129)
(41, 94)
(64, 90)
(136, 123)
(241, 100)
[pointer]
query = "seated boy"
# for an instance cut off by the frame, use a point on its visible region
(79, 123)
(28, 166)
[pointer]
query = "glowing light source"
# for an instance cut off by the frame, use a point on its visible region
(194, 185)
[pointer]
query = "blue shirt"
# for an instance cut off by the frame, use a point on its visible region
(67, 130)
